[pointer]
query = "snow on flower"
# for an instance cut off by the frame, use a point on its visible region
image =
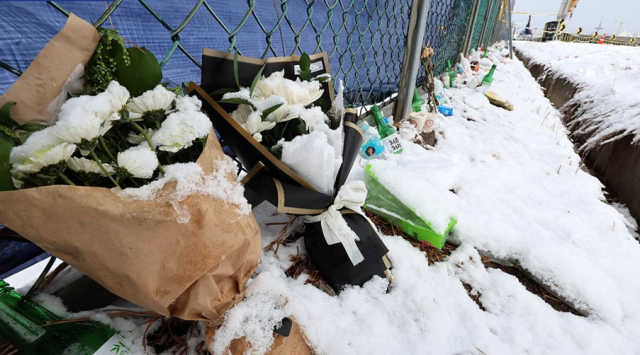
(43, 158)
(37, 144)
(76, 128)
(138, 161)
(88, 166)
(158, 99)
(180, 129)
(118, 96)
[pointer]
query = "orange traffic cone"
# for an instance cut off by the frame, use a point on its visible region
(601, 41)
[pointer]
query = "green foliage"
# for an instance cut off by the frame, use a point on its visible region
(101, 68)
(235, 69)
(305, 67)
(287, 130)
(140, 73)
(255, 80)
(268, 111)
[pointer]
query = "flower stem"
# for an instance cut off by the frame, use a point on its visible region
(104, 170)
(66, 179)
(106, 149)
(146, 136)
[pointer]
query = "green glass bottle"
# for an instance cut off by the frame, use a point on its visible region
(484, 55)
(388, 135)
(488, 79)
(418, 101)
(452, 75)
(24, 325)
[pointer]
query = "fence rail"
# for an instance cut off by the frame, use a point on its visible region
(365, 39)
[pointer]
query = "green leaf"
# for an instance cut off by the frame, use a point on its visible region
(235, 69)
(236, 100)
(305, 62)
(255, 80)
(305, 75)
(31, 127)
(6, 144)
(322, 79)
(5, 115)
(268, 111)
(142, 74)
(322, 103)
(222, 91)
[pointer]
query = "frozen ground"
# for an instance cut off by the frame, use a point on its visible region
(608, 78)
(514, 183)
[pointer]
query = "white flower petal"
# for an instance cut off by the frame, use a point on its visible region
(180, 129)
(139, 161)
(88, 166)
(157, 99)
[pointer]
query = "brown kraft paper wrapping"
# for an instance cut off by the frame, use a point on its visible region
(137, 249)
(294, 344)
(42, 82)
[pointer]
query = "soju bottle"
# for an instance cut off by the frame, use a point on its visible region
(418, 101)
(488, 79)
(24, 325)
(484, 55)
(452, 75)
(388, 134)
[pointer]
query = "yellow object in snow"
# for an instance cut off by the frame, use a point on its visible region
(498, 100)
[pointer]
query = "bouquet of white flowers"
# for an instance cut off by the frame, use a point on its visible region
(135, 192)
(111, 140)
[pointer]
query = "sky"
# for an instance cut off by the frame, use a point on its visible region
(587, 14)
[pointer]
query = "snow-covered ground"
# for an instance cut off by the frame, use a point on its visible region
(608, 80)
(515, 186)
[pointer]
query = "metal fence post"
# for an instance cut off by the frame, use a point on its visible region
(411, 63)
(486, 20)
(510, 32)
(471, 26)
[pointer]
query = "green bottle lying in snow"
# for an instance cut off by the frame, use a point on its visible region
(24, 325)
(388, 135)
(488, 79)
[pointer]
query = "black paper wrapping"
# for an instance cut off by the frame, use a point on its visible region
(291, 193)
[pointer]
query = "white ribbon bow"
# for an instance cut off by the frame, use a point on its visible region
(335, 228)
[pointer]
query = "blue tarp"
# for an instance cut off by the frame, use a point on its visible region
(370, 61)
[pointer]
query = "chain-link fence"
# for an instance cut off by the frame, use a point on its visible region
(365, 39)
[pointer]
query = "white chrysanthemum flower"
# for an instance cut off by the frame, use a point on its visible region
(88, 166)
(293, 92)
(139, 161)
(153, 100)
(255, 125)
(43, 158)
(83, 126)
(102, 106)
(180, 129)
(37, 144)
(265, 104)
(118, 96)
(134, 138)
(241, 113)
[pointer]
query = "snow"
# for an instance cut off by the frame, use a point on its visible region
(191, 179)
(321, 163)
(608, 79)
(513, 182)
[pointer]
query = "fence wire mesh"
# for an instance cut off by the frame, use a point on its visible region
(365, 39)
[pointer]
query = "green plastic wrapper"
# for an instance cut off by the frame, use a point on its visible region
(384, 204)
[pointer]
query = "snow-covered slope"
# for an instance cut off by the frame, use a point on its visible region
(608, 81)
